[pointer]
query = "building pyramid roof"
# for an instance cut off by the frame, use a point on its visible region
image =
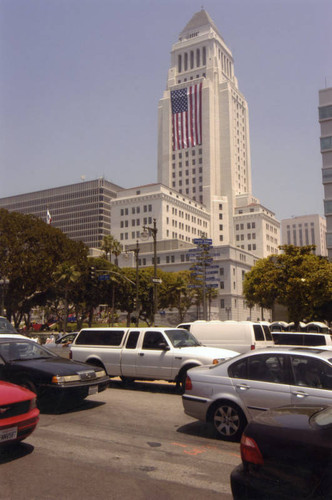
(198, 20)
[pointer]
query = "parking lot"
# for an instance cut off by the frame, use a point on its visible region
(127, 442)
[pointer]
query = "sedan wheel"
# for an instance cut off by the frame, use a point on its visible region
(228, 420)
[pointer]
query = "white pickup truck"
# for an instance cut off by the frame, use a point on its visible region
(144, 353)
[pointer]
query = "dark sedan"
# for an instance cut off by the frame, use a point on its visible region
(52, 378)
(286, 454)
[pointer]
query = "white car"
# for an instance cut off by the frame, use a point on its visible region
(230, 394)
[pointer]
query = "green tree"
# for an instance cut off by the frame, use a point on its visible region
(296, 278)
(30, 250)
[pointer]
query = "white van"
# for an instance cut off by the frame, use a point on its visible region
(240, 336)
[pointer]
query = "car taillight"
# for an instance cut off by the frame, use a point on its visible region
(188, 385)
(250, 451)
(252, 347)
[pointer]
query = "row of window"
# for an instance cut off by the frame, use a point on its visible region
(325, 112)
(191, 59)
(125, 211)
(326, 143)
(250, 225)
(193, 152)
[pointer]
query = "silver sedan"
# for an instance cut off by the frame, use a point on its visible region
(230, 394)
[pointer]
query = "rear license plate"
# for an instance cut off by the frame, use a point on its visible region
(93, 389)
(8, 434)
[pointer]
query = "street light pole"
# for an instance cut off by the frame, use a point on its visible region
(136, 252)
(153, 232)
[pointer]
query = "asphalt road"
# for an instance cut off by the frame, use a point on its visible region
(125, 443)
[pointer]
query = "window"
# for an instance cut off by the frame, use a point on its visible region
(311, 372)
(100, 337)
(325, 112)
(132, 340)
(326, 143)
(154, 341)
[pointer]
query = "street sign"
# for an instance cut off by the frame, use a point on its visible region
(212, 285)
(202, 241)
(103, 277)
(157, 280)
(210, 278)
(214, 271)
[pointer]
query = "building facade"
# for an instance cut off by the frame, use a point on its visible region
(325, 120)
(82, 211)
(203, 134)
(305, 230)
(177, 217)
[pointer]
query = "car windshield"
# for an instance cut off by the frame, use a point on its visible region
(181, 338)
(6, 327)
(22, 351)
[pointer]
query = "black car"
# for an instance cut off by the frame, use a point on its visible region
(54, 379)
(286, 454)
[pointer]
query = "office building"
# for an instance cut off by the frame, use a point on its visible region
(325, 120)
(82, 211)
(305, 230)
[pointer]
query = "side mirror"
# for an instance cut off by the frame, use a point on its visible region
(164, 346)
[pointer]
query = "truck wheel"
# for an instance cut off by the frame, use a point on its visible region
(181, 379)
(127, 380)
(228, 420)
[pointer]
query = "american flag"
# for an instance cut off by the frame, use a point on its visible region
(187, 116)
(48, 217)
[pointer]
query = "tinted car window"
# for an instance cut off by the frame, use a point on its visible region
(152, 340)
(309, 372)
(268, 368)
(267, 332)
(132, 340)
(100, 337)
(264, 367)
(298, 339)
(238, 369)
(259, 335)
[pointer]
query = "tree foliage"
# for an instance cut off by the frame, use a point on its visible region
(297, 279)
(30, 252)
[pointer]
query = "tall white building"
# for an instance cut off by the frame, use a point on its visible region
(305, 230)
(325, 120)
(203, 135)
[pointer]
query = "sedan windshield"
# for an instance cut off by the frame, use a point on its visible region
(22, 351)
(6, 327)
(181, 338)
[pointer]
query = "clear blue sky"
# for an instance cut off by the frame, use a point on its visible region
(80, 82)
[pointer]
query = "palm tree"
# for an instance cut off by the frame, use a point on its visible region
(65, 276)
(107, 246)
(116, 251)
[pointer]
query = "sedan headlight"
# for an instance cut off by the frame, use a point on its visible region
(100, 374)
(57, 379)
(33, 403)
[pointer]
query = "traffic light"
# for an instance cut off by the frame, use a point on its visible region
(92, 273)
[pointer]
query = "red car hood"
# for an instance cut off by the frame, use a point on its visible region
(10, 393)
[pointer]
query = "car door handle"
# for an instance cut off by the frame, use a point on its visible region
(243, 387)
(300, 394)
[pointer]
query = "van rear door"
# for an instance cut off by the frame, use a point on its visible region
(262, 338)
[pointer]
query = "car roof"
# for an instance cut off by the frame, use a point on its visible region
(13, 336)
(311, 351)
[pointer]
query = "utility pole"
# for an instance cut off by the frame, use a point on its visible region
(152, 231)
